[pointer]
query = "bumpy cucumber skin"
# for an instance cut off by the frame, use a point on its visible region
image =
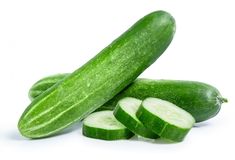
(160, 127)
(134, 126)
(96, 82)
(45, 83)
(201, 100)
(100, 133)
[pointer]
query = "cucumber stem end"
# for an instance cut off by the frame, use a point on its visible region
(223, 100)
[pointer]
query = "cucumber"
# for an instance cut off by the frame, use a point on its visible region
(97, 81)
(201, 100)
(103, 125)
(125, 112)
(165, 119)
(45, 83)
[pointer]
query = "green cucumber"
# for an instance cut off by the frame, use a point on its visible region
(201, 100)
(125, 112)
(97, 81)
(45, 83)
(165, 119)
(103, 125)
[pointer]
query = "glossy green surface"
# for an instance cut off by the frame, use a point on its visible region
(45, 83)
(201, 100)
(97, 81)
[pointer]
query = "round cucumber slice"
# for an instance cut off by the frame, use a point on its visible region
(103, 125)
(165, 119)
(125, 112)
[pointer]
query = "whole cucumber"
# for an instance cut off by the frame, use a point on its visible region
(100, 79)
(203, 101)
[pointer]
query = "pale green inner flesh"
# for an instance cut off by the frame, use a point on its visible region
(103, 120)
(169, 112)
(130, 106)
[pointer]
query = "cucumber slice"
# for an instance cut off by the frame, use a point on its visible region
(165, 119)
(125, 112)
(103, 125)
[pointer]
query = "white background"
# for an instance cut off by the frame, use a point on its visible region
(39, 38)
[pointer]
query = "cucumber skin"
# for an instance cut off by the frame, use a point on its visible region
(199, 99)
(45, 83)
(132, 125)
(99, 133)
(159, 126)
(96, 82)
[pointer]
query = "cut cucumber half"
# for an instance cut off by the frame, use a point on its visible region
(103, 125)
(165, 119)
(125, 112)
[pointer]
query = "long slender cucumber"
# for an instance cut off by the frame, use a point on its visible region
(203, 101)
(96, 82)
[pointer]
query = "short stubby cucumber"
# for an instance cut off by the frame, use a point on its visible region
(103, 125)
(125, 112)
(201, 100)
(165, 119)
(45, 83)
(97, 81)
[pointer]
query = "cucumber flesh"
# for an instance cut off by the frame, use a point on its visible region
(125, 112)
(169, 112)
(103, 125)
(165, 119)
